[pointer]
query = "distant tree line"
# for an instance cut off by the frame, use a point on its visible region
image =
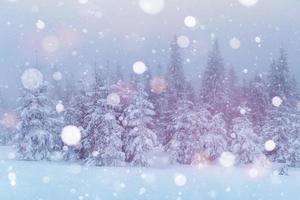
(164, 114)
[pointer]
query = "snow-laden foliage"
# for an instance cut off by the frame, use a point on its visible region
(213, 82)
(258, 101)
(188, 127)
(38, 132)
(214, 142)
(102, 140)
(280, 81)
(245, 143)
(140, 140)
(283, 127)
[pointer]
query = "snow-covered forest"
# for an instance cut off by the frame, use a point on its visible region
(155, 116)
(149, 99)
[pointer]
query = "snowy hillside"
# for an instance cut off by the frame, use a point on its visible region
(21, 180)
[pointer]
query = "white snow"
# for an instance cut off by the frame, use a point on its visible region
(57, 76)
(180, 180)
(113, 99)
(183, 41)
(152, 7)
(71, 181)
(277, 101)
(227, 159)
(190, 21)
(71, 135)
(139, 67)
(270, 145)
(59, 107)
(257, 39)
(235, 43)
(32, 78)
(40, 25)
(83, 1)
(248, 3)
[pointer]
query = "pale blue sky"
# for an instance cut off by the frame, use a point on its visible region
(120, 31)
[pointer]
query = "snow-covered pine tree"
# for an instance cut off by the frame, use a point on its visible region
(258, 102)
(158, 89)
(213, 93)
(74, 114)
(245, 143)
(175, 81)
(280, 81)
(139, 140)
(38, 131)
(188, 125)
(102, 138)
(214, 141)
(233, 91)
(175, 75)
(283, 128)
(76, 108)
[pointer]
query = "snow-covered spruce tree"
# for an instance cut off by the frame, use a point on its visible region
(280, 81)
(213, 93)
(245, 144)
(139, 140)
(175, 81)
(74, 114)
(76, 108)
(233, 91)
(188, 125)
(175, 75)
(158, 89)
(258, 102)
(102, 138)
(38, 131)
(283, 127)
(214, 141)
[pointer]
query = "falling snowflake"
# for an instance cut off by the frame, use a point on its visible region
(270, 145)
(227, 159)
(71, 135)
(183, 41)
(40, 25)
(235, 43)
(113, 99)
(248, 3)
(60, 107)
(190, 21)
(139, 67)
(253, 172)
(57, 76)
(83, 1)
(277, 101)
(32, 78)
(152, 7)
(257, 39)
(180, 180)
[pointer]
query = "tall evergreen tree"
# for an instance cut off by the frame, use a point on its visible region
(139, 140)
(175, 75)
(39, 128)
(188, 125)
(102, 137)
(283, 127)
(245, 144)
(213, 83)
(280, 81)
(176, 85)
(258, 102)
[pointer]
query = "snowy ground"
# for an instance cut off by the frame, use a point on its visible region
(54, 181)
